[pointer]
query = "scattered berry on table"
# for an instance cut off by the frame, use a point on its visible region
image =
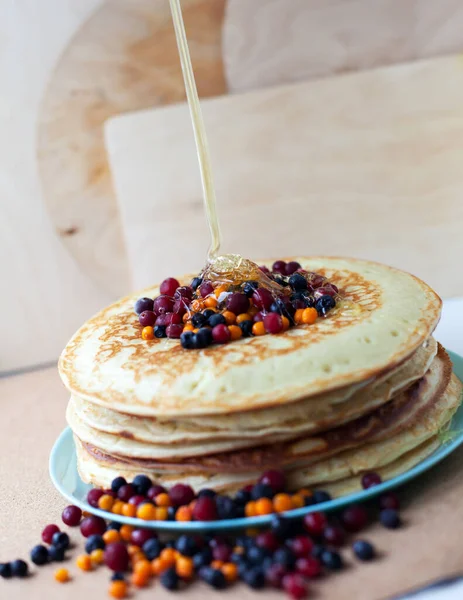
(49, 532)
(39, 555)
(390, 518)
(315, 523)
(95, 542)
(295, 586)
(61, 575)
(56, 553)
(71, 516)
(92, 525)
(333, 535)
(118, 589)
(19, 568)
(332, 560)
(60, 538)
(169, 579)
(84, 562)
(355, 518)
(309, 566)
(389, 500)
(363, 550)
(116, 556)
(5, 570)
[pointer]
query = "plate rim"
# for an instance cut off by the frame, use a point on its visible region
(446, 448)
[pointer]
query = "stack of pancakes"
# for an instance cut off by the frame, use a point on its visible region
(366, 388)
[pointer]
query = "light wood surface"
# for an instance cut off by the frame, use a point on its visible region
(33, 405)
(123, 58)
(44, 295)
(367, 165)
(269, 42)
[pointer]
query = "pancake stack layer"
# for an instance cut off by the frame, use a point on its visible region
(366, 388)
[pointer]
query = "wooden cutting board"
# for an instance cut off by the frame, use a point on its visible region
(271, 42)
(123, 58)
(367, 165)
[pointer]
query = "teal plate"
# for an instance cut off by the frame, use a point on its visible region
(63, 471)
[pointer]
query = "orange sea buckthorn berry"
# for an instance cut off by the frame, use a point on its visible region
(250, 509)
(184, 513)
(195, 330)
(84, 562)
(144, 567)
(139, 580)
(161, 513)
(235, 332)
(252, 531)
(219, 290)
(210, 302)
(85, 513)
(162, 500)
(186, 317)
(264, 506)
(285, 322)
(132, 549)
(304, 492)
(309, 316)
(230, 570)
(298, 316)
(62, 575)
(147, 333)
(111, 536)
(117, 507)
(216, 564)
(282, 502)
(168, 557)
(126, 532)
(128, 510)
(118, 589)
(156, 566)
(188, 327)
(230, 317)
(252, 312)
(146, 511)
(243, 317)
(197, 305)
(137, 557)
(258, 328)
(298, 501)
(97, 556)
(106, 502)
(184, 567)
(238, 550)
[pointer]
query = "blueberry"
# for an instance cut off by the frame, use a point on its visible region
(390, 518)
(61, 539)
(256, 555)
(298, 282)
(143, 304)
(19, 568)
(236, 558)
(203, 338)
(39, 555)
(280, 526)
(160, 331)
(321, 496)
(56, 553)
(262, 490)
(199, 320)
(171, 511)
(186, 545)
(309, 501)
(246, 328)
(208, 313)
(242, 497)
(216, 319)
(188, 340)
(114, 525)
(317, 551)
(213, 577)
(142, 484)
(325, 304)
(170, 544)
(226, 508)
(207, 492)
(244, 541)
(117, 576)
(202, 558)
(196, 282)
(363, 550)
(117, 483)
(283, 307)
(5, 570)
(281, 281)
(255, 578)
(94, 542)
(152, 548)
(332, 560)
(284, 557)
(249, 287)
(169, 579)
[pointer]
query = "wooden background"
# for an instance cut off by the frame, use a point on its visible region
(68, 65)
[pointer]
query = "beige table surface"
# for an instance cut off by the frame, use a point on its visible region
(429, 545)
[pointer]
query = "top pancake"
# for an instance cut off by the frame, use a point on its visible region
(387, 314)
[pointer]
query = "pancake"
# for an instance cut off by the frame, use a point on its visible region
(99, 468)
(386, 420)
(282, 422)
(384, 318)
